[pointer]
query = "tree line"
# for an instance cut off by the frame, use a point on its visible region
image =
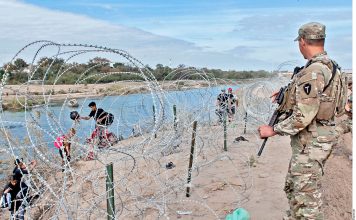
(102, 70)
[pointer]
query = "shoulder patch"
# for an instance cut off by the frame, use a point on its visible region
(307, 88)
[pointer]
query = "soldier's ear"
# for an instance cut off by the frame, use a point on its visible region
(302, 41)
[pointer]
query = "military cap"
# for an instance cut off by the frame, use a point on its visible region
(311, 31)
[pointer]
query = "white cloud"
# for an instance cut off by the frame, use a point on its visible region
(269, 31)
(23, 23)
(232, 39)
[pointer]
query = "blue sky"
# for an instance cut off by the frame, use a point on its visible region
(217, 34)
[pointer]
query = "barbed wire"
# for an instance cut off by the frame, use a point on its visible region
(145, 186)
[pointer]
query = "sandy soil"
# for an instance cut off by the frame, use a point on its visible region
(224, 181)
(232, 180)
(337, 182)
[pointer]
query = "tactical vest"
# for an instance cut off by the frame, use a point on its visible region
(333, 97)
(289, 99)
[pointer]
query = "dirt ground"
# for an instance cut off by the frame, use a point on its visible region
(337, 181)
(221, 181)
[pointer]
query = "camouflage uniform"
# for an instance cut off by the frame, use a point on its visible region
(345, 126)
(311, 140)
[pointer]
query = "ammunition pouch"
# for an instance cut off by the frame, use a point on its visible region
(327, 108)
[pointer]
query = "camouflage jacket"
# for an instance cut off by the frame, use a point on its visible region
(303, 97)
(345, 125)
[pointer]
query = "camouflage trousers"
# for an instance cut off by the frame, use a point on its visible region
(303, 180)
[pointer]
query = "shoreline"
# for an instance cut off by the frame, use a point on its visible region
(14, 95)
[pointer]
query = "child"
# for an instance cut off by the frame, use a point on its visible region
(63, 143)
(15, 192)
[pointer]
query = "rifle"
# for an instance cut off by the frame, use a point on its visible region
(277, 113)
(275, 116)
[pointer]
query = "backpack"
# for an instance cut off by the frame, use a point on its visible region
(341, 100)
(334, 96)
(109, 119)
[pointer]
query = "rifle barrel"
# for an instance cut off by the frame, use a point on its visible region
(263, 146)
(274, 117)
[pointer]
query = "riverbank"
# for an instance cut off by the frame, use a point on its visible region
(13, 97)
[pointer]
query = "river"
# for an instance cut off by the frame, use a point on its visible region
(130, 111)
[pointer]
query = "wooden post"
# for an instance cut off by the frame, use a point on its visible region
(225, 133)
(110, 206)
(191, 158)
(245, 122)
(154, 118)
(175, 117)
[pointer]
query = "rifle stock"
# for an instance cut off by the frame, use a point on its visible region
(276, 114)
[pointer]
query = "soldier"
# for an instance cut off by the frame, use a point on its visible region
(309, 120)
(345, 125)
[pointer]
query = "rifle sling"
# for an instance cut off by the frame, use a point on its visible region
(332, 76)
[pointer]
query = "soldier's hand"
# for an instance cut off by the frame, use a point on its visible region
(266, 131)
(348, 107)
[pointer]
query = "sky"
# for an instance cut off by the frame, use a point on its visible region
(240, 35)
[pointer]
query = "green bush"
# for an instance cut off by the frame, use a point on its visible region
(76, 73)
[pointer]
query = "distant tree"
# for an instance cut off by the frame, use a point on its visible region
(149, 68)
(159, 66)
(118, 65)
(99, 60)
(20, 63)
(58, 61)
(161, 71)
(104, 69)
(2, 71)
(9, 67)
(44, 61)
(75, 72)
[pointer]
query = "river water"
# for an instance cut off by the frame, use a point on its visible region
(131, 112)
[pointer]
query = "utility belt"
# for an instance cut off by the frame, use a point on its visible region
(315, 124)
